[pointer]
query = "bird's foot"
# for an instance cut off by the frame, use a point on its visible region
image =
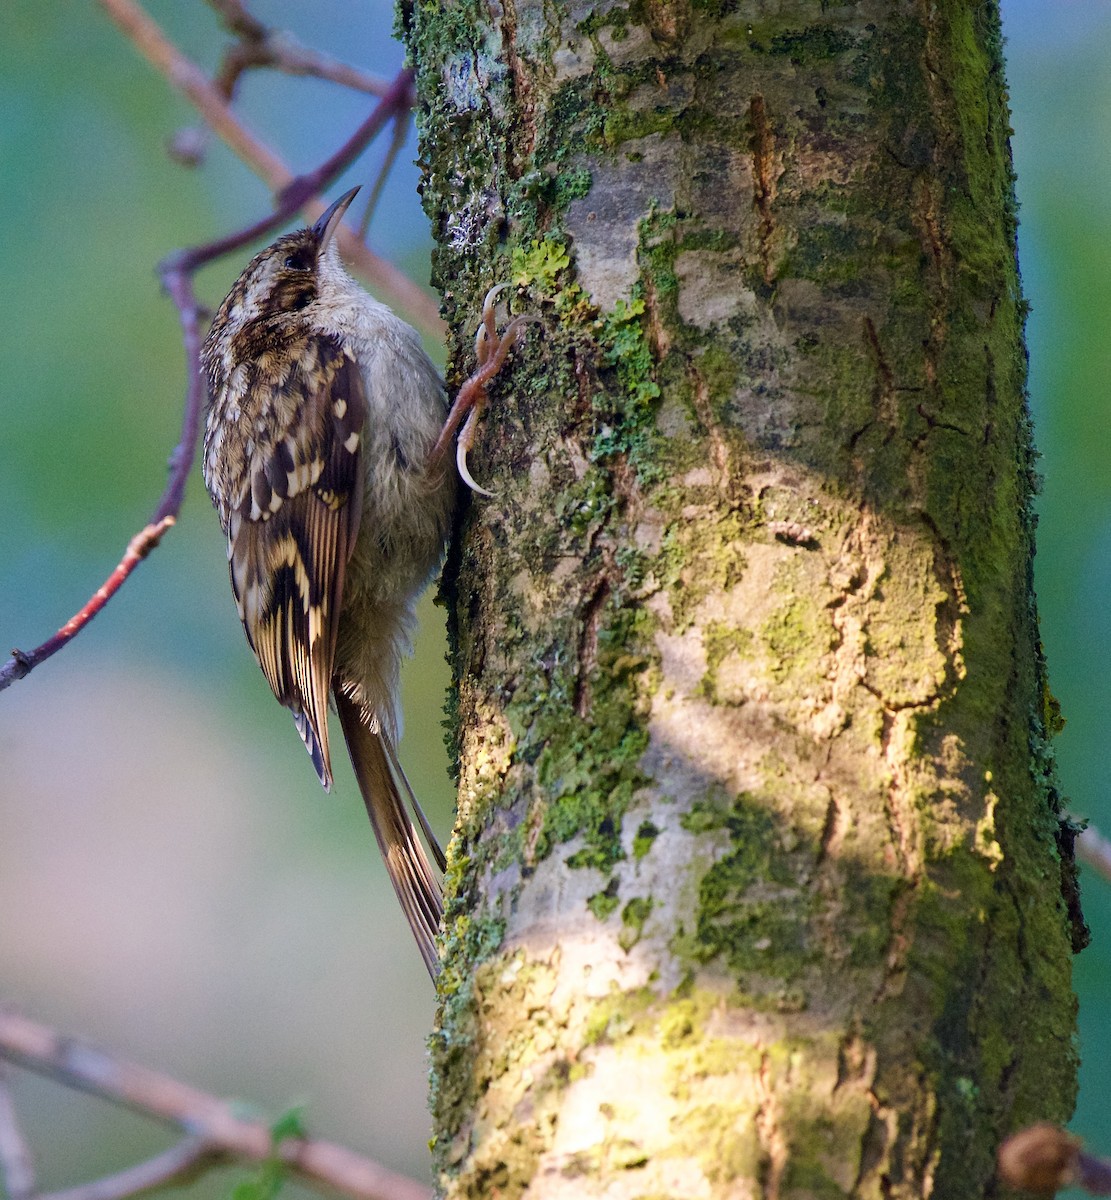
(491, 349)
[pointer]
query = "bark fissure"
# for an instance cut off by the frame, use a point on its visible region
(765, 174)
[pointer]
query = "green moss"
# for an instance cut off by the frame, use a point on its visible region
(467, 941)
(707, 1057)
(658, 238)
(540, 263)
(751, 910)
(719, 643)
(723, 1138)
(786, 633)
(799, 631)
(586, 502)
(619, 1016)
(681, 1024)
(626, 125)
(633, 916)
(603, 903)
(591, 770)
(700, 557)
(624, 347)
(720, 370)
(811, 45)
(645, 837)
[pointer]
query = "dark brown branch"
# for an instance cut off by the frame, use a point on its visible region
(298, 192)
(400, 133)
(214, 1122)
(259, 46)
(238, 19)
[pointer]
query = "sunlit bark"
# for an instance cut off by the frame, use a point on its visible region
(756, 887)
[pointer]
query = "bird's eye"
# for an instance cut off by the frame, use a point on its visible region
(299, 260)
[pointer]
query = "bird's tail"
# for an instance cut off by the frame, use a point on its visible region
(385, 791)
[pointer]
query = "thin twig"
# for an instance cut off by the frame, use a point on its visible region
(238, 18)
(180, 286)
(182, 73)
(80, 1065)
(180, 1165)
(22, 662)
(300, 192)
(176, 272)
(17, 1166)
(280, 51)
(392, 285)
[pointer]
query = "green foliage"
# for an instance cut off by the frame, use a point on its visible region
(268, 1179)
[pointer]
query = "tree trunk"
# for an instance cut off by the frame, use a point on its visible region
(759, 885)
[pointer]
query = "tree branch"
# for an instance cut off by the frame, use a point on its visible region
(184, 75)
(207, 1118)
(179, 1165)
(392, 285)
(259, 46)
(176, 272)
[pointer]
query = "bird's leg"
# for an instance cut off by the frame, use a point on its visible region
(491, 349)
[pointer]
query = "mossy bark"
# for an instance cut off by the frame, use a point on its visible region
(759, 885)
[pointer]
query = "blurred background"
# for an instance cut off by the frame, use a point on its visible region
(173, 883)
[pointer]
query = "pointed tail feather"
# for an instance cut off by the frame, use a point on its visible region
(385, 788)
(316, 751)
(418, 812)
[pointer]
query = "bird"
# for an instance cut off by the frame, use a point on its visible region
(325, 454)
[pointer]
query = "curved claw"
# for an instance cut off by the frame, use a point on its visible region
(465, 472)
(491, 350)
(487, 329)
(491, 298)
(513, 329)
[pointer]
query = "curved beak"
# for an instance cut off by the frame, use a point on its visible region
(326, 227)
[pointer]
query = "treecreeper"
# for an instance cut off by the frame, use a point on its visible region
(325, 456)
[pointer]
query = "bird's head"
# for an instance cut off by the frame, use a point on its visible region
(288, 275)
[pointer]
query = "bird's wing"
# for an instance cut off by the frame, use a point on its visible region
(293, 519)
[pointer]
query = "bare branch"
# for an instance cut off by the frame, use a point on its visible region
(183, 74)
(392, 285)
(179, 1165)
(238, 19)
(17, 1166)
(80, 1065)
(260, 46)
(176, 272)
(21, 662)
(282, 52)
